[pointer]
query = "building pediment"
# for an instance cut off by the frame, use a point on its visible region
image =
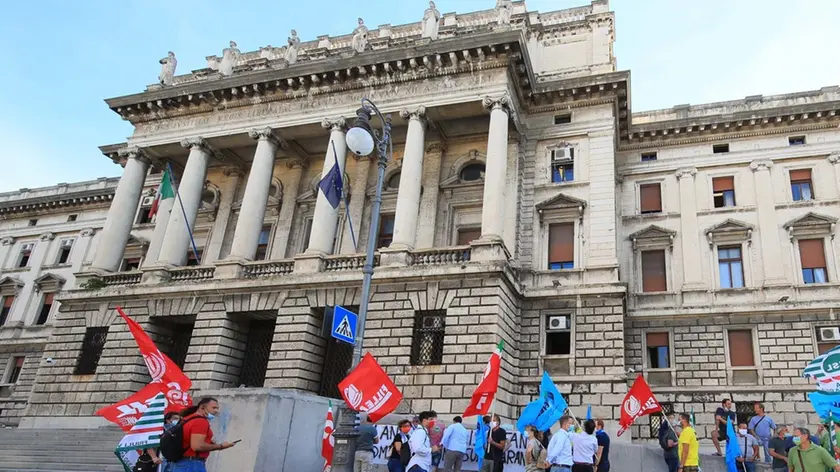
(10, 286)
(561, 203)
(729, 230)
(49, 283)
(653, 237)
(811, 224)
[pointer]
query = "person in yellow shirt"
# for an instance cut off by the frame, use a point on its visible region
(689, 446)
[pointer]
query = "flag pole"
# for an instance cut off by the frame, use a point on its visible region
(346, 204)
(183, 211)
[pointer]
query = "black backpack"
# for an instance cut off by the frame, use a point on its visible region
(405, 453)
(172, 441)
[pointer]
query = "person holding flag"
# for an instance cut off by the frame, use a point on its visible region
(143, 436)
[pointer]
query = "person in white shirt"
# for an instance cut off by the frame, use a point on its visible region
(421, 448)
(455, 440)
(584, 447)
(559, 454)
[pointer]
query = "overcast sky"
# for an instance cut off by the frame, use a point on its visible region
(62, 58)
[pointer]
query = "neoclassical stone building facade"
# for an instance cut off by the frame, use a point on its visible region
(525, 203)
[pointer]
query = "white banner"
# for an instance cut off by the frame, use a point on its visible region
(514, 456)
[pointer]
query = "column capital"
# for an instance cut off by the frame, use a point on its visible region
(834, 157)
(297, 164)
(686, 172)
(333, 124)
(48, 236)
(198, 143)
(7, 241)
(439, 146)
(266, 134)
(760, 165)
(416, 113)
(133, 152)
(501, 102)
(87, 232)
(231, 171)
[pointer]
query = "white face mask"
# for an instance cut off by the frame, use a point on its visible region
(493, 424)
(742, 432)
(173, 422)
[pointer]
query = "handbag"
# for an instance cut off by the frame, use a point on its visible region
(144, 464)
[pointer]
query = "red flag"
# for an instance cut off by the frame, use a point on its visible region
(369, 389)
(161, 367)
(486, 390)
(639, 401)
(127, 412)
(328, 444)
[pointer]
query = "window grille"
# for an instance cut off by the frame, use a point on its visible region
(92, 347)
(427, 339)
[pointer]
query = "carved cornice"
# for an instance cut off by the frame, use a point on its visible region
(761, 165)
(87, 232)
(686, 172)
(231, 171)
(48, 236)
(418, 113)
(834, 157)
(334, 124)
(267, 134)
(7, 241)
(60, 202)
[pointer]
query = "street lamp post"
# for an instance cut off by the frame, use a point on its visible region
(361, 140)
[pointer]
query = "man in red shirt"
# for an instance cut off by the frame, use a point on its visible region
(198, 437)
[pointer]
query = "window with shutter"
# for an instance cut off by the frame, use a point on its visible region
(46, 307)
(653, 271)
(724, 191)
(650, 196)
(658, 350)
(561, 246)
(801, 188)
(812, 257)
(8, 301)
(468, 235)
(741, 348)
(386, 231)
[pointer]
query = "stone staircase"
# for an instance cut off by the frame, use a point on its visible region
(59, 450)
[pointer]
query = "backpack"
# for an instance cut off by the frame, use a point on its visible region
(172, 441)
(539, 455)
(405, 452)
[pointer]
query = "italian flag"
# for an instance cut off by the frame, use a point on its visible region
(486, 390)
(164, 192)
(144, 435)
(328, 443)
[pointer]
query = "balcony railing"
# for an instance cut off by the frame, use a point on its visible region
(122, 278)
(268, 268)
(344, 262)
(452, 255)
(189, 274)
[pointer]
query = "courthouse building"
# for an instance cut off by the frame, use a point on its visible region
(525, 202)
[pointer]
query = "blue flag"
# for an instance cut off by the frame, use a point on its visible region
(332, 185)
(733, 450)
(588, 412)
(825, 403)
(480, 439)
(543, 412)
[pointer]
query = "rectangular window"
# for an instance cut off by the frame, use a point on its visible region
(720, 148)
(193, 259)
(653, 271)
(468, 235)
(558, 335)
(307, 232)
(648, 156)
(800, 185)
(92, 346)
(8, 301)
(25, 255)
(64, 251)
(17, 367)
(812, 256)
(650, 198)
(796, 140)
(658, 350)
(731, 267)
(33, 222)
(561, 246)
(563, 164)
(563, 119)
(72, 218)
(427, 339)
(46, 308)
(724, 191)
(262, 244)
(386, 231)
(130, 264)
(828, 337)
(741, 348)
(144, 216)
(655, 419)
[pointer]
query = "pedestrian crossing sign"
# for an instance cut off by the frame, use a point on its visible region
(344, 325)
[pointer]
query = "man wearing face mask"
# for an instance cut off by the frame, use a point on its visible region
(198, 437)
(394, 462)
(689, 447)
(420, 445)
(749, 448)
(809, 457)
(494, 459)
(559, 454)
(778, 451)
(668, 442)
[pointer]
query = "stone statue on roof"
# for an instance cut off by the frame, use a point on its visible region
(505, 10)
(431, 22)
(167, 69)
(229, 57)
(292, 49)
(360, 36)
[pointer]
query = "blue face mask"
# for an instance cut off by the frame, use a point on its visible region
(210, 416)
(797, 440)
(571, 428)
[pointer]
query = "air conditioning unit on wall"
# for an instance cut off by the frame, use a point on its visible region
(828, 333)
(558, 323)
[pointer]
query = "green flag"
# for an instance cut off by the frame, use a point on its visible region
(165, 191)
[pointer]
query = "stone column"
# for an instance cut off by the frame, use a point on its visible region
(80, 248)
(252, 214)
(291, 188)
(213, 247)
(120, 218)
(24, 298)
(164, 212)
(408, 198)
(495, 176)
(325, 218)
(689, 235)
(358, 198)
(429, 199)
(176, 243)
(767, 223)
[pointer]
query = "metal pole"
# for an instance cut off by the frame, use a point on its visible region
(348, 420)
